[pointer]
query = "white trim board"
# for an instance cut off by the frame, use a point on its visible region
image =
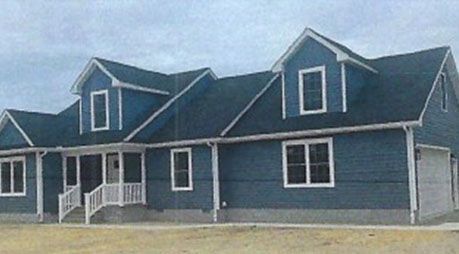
(411, 165)
(434, 147)
(301, 98)
(341, 56)
(343, 87)
(107, 110)
(7, 115)
(448, 53)
(167, 105)
(188, 151)
(306, 143)
(93, 64)
(248, 106)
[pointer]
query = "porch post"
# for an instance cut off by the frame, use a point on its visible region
(121, 179)
(104, 168)
(64, 172)
(78, 167)
(144, 178)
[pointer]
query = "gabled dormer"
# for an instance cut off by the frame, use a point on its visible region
(113, 95)
(320, 76)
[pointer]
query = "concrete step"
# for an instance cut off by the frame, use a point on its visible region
(77, 215)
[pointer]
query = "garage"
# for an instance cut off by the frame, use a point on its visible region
(435, 195)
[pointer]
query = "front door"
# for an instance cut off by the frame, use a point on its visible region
(91, 173)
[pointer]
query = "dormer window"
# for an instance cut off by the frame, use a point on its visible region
(312, 90)
(444, 93)
(99, 110)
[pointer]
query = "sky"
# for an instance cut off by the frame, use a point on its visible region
(44, 46)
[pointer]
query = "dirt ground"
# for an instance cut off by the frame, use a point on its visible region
(54, 239)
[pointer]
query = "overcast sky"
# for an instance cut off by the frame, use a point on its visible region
(44, 46)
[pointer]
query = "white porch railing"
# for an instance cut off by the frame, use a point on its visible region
(108, 194)
(69, 200)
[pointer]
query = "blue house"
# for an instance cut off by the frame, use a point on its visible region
(325, 135)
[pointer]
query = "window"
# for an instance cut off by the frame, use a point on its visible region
(312, 90)
(181, 169)
(99, 110)
(444, 92)
(308, 163)
(12, 179)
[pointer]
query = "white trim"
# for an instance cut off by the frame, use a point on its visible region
(445, 86)
(411, 173)
(425, 146)
(143, 178)
(434, 84)
(184, 142)
(248, 106)
(39, 166)
(13, 121)
(284, 109)
(167, 105)
(80, 115)
(343, 86)
(88, 69)
(306, 143)
(107, 111)
(11, 161)
(301, 74)
(120, 84)
(121, 179)
(120, 108)
(318, 132)
(215, 181)
(190, 169)
(341, 56)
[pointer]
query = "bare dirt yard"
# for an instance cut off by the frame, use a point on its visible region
(55, 239)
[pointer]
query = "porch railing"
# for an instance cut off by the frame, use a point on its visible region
(69, 200)
(108, 194)
(93, 202)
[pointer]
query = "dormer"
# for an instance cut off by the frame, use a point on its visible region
(317, 74)
(112, 95)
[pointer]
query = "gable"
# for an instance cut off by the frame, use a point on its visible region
(10, 136)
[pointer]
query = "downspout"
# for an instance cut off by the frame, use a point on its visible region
(39, 167)
(411, 173)
(215, 180)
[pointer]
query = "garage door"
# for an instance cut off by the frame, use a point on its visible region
(434, 183)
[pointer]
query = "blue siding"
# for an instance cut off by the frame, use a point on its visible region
(313, 54)
(139, 105)
(441, 128)
(99, 81)
(175, 108)
(370, 173)
(28, 203)
(159, 190)
(10, 137)
(52, 182)
(355, 80)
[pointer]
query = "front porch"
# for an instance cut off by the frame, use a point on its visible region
(95, 179)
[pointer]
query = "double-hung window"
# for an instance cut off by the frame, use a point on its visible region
(181, 169)
(444, 92)
(99, 110)
(312, 90)
(308, 163)
(12, 176)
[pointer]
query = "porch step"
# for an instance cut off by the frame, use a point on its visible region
(75, 216)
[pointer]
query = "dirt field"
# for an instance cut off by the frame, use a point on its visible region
(46, 239)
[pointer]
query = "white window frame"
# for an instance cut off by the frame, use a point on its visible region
(443, 79)
(306, 143)
(11, 160)
(190, 171)
(107, 111)
(301, 74)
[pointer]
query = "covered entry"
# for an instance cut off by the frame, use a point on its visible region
(435, 182)
(99, 177)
